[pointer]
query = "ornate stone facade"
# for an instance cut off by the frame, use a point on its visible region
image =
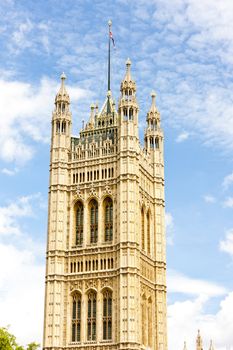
(106, 262)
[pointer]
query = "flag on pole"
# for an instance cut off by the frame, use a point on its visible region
(111, 37)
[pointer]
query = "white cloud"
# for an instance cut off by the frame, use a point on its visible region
(21, 273)
(227, 181)
(169, 222)
(192, 49)
(9, 215)
(185, 317)
(9, 172)
(21, 293)
(182, 137)
(226, 245)
(209, 199)
(228, 203)
(179, 283)
(26, 115)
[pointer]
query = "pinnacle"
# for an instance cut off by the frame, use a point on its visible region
(63, 76)
(62, 93)
(128, 62)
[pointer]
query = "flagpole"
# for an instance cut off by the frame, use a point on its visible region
(109, 49)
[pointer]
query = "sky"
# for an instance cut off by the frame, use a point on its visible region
(182, 49)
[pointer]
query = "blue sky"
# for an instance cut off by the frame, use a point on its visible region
(183, 50)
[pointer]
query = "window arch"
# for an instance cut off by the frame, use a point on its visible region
(79, 224)
(148, 231)
(142, 229)
(91, 316)
(107, 315)
(108, 216)
(76, 318)
(93, 221)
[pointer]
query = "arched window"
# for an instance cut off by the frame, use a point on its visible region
(63, 127)
(131, 114)
(148, 231)
(79, 224)
(108, 224)
(58, 126)
(143, 313)
(76, 318)
(91, 316)
(125, 113)
(93, 221)
(149, 323)
(107, 315)
(142, 229)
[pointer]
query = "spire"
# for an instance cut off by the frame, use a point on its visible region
(199, 341)
(62, 95)
(185, 346)
(153, 115)
(153, 108)
(128, 73)
(128, 85)
(211, 345)
(92, 116)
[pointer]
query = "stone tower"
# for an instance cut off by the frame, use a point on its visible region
(106, 263)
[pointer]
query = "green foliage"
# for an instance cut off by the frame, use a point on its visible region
(8, 342)
(33, 346)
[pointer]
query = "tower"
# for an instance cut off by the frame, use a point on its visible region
(106, 263)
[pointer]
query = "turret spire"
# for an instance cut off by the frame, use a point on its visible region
(199, 341)
(211, 345)
(62, 95)
(128, 73)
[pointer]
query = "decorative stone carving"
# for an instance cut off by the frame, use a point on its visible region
(91, 284)
(93, 191)
(75, 285)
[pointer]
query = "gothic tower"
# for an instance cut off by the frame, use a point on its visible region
(106, 263)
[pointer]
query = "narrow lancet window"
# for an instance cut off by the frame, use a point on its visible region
(108, 207)
(142, 229)
(93, 221)
(148, 231)
(91, 316)
(76, 318)
(107, 315)
(79, 224)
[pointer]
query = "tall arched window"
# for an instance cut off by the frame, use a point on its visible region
(76, 318)
(149, 323)
(107, 315)
(148, 231)
(91, 316)
(93, 221)
(143, 315)
(108, 224)
(142, 229)
(79, 224)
